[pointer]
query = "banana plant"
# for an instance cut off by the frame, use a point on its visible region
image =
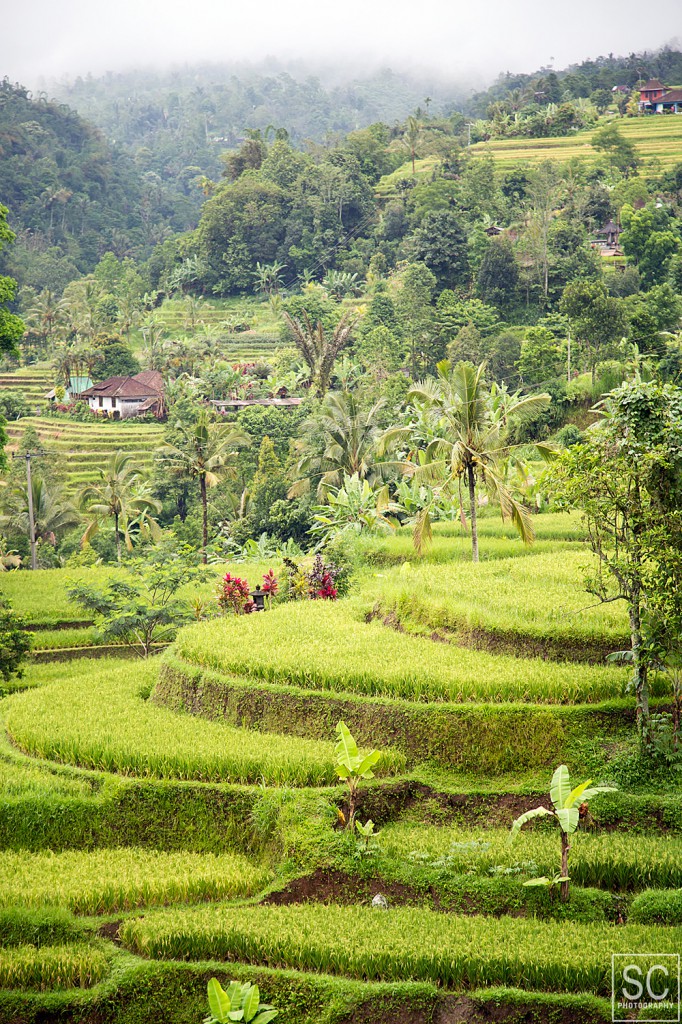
(566, 804)
(238, 1003)
(352, 767)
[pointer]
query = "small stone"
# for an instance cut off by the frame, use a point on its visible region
(380, 901)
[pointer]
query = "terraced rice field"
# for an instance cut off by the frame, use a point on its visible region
(253, 345)
(168, 821)
(657, 139)
(29, 383)
(82, 448)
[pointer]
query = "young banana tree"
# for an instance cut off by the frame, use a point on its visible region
(352, 767)
(566, 804)
(238, 1003)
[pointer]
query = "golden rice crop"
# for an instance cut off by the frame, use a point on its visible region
(104, 881)
(400, 944)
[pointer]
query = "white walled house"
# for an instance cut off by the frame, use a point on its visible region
(123, 398)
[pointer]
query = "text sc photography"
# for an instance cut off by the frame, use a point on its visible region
(646, 982)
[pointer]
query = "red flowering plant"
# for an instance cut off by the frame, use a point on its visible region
(270, 586)
(234, 595)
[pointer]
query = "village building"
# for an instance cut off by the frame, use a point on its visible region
(656, 98)
(122, 398)
(77, 385)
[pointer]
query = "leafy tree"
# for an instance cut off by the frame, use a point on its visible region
(379, 351)
(414, 305)
(540, 358)
(566, 809)
(441, 244)
(203, 451)
(597, 319)
(117, 360)
(626, 479)
(267, 487)
(121, 494)
(498, 275)
(52, 514)
(620, 152)
(650, 238)
(143, 609)
(339, 441)
(468, 437)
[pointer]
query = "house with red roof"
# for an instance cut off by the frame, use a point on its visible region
(122, 398)
(656, 98)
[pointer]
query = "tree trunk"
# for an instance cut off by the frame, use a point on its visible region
(640, 668)
(204, 515)
(118, 537)
(564, 865)
(471, 477)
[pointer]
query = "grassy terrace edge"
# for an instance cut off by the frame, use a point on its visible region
(490, 738)
(132, 996)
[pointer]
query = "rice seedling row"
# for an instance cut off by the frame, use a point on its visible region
(616, 861)
(404, 943)
(52, 967)
(536, 597)
(330, 647)
(107, 881)
(104, 721)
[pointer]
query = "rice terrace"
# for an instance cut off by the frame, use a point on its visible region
(340, 533)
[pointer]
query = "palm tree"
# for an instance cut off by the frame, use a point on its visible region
(340, 442)
(203, 452)
(44, 315)
(121, 494)
(319, 349)
(470, 437)
(52, 514)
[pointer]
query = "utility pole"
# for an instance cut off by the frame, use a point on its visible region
(29, 493)
(569, 351)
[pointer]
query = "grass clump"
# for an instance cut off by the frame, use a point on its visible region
(657, 906)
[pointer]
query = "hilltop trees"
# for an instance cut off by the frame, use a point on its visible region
(11, 326)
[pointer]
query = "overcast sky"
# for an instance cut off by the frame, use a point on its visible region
(461, 38)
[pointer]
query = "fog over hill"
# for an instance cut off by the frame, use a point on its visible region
(468, 43)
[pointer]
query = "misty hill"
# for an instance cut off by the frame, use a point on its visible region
(198, 110)
(72, 194)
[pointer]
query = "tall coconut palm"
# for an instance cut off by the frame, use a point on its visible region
(318, 347)
(203, 451)
(52, 514)
(122, 494)
(471, 425)
(339, 442)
